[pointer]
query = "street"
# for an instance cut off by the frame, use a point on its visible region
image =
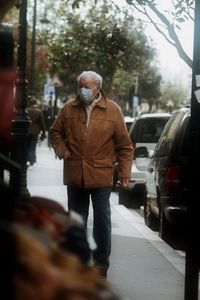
(142, 265)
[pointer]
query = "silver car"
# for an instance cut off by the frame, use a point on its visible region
(144, 131)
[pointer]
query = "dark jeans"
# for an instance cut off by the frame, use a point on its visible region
(32, 144)
(78, 201)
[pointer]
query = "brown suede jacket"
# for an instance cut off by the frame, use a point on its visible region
(93, 150)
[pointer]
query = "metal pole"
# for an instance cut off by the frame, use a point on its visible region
(136, 85)
(55, 108)
(136, 82)
(33, 49)
(21, 121)
(192, 246)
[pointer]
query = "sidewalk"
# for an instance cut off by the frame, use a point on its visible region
(143, 267)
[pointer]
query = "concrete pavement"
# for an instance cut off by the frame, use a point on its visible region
(143, 267)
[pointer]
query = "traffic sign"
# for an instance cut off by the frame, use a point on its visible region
(49, 91)
(135, 101)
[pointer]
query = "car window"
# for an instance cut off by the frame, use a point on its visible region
(128, 121)
(170, 133)
(148, 130)
(165, 142)
(185, 144)
(128, 125)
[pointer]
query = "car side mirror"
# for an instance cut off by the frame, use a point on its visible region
(142, 158)
(141, 152)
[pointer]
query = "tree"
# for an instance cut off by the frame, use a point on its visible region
(99, 38)
(150, 88)
(175, 94)
(103, 40)
(181, 11)
(166, 21)
(41, 51)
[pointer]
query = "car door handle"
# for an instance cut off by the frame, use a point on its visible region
(150, 170)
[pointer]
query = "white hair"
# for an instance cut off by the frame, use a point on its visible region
(93, 75)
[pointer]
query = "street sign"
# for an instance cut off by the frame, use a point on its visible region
(49, 92)
(135, 101)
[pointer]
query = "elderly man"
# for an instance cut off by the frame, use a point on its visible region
(90, 135)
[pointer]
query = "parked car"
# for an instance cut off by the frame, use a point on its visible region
(128, 121)
(144, 131)
(167, 180)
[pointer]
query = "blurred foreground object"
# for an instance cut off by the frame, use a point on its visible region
(7, 76)
(5, 5)
(7, 83)
(46, 269)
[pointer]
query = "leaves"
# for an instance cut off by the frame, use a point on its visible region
(169, 20)
(101, 41)
(174, 93)
(76, 4)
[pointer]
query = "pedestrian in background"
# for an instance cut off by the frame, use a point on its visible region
(90, 135)
(49, 118)
(36, 128)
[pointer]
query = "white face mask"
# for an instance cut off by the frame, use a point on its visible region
(85, 95)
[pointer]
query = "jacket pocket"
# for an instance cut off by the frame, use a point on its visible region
(102, 163)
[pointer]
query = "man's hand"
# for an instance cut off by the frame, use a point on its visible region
(123, 182)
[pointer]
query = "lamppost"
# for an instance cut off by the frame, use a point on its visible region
(135, 101)
(43, 21)
(33, 49)
(192, 264)
(20, 123)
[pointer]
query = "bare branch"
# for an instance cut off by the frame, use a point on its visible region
(160, 31)
(174, 40)
(172, 35)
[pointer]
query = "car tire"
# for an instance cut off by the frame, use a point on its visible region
(149, 218)
(128, 199)
(124, 197)
(164, 228)
(169, 233)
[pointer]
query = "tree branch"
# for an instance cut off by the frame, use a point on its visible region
(172, 35)
(169, 27)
